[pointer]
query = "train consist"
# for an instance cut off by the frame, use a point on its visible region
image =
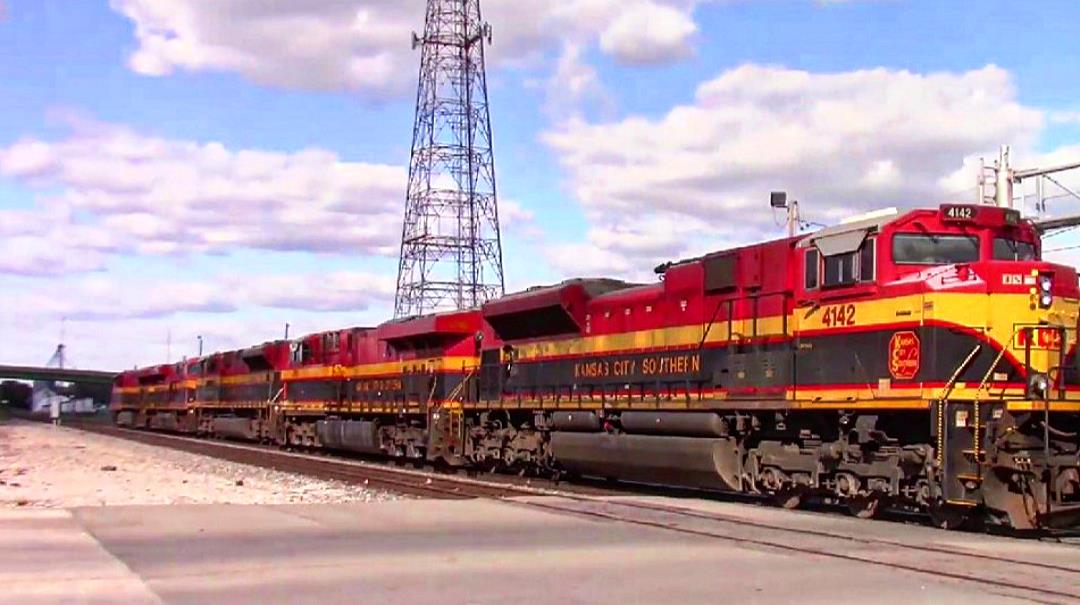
(923, 360)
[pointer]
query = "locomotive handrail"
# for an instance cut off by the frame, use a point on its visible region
(279, 393)
(947, 390)
(712, 320)
(1001, 353)
(461, 385)
(431, 394)
(976, 445)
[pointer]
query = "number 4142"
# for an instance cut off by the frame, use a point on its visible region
(839, 315)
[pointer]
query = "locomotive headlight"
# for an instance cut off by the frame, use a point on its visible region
(1038, 385)
(1046, 286)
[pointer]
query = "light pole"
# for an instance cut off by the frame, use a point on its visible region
(200, 344)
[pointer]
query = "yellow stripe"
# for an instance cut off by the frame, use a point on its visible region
(1039, 406)
(995, 314)
(260, 377)
(437, 364)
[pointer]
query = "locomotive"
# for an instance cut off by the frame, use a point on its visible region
(923, 359)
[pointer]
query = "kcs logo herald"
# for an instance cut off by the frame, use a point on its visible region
(904, 355)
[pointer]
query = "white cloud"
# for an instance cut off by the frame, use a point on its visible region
(363, 45)
(631, 246)
(574, 86)
(112, 189)
(334, 291)
(1065, 117)
(515, 219)
(110, 297)
(116, 320)
(647, 32)
(841, 143)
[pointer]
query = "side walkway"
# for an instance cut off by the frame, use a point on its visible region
(47, 557)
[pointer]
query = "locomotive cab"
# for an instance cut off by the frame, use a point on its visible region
(124, 399)
(953, 307)
(978, 267)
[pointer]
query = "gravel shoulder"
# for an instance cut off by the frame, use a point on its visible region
(55, 467)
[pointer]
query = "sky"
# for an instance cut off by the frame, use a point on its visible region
(171, 169)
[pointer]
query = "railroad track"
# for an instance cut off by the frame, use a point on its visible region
(1029, 579)
(403, 481)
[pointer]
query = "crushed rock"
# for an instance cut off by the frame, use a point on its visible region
(61, 467)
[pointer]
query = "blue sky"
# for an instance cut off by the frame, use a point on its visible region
(142, 143)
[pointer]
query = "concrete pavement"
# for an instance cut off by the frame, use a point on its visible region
(47, 557)
(414, 551)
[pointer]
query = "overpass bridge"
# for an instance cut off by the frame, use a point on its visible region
(56, 374)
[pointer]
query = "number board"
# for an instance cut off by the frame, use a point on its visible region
(959, 213)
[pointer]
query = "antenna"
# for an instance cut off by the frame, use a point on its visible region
(451, 249)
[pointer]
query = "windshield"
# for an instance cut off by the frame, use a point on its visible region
(930, 249)
(1009, 249)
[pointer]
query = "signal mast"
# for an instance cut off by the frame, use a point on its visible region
(995, 182)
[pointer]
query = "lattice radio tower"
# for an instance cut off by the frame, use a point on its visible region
(451, 253)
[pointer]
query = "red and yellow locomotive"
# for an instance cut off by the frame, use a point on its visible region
(924, 360)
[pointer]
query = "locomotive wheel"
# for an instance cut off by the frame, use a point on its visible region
(866, 506)
(788, 497)
(948, 516)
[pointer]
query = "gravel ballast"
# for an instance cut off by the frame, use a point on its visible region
(47, 466)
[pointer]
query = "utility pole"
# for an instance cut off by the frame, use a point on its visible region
(60, 347)
(778, 199)
(451, 250)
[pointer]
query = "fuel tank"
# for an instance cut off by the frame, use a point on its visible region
(235, 428)
(164, 422)
(665, 460)
(575, 421)
(686, 424)
(358, 436)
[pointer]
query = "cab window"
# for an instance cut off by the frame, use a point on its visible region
(848, 268)
(866, 260)
(931, 249)
(811, 276)
(839, 270)
(1009, 249)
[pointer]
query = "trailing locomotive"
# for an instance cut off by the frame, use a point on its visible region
(925, 360)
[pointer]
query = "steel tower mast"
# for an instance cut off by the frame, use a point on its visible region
(451, 252)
